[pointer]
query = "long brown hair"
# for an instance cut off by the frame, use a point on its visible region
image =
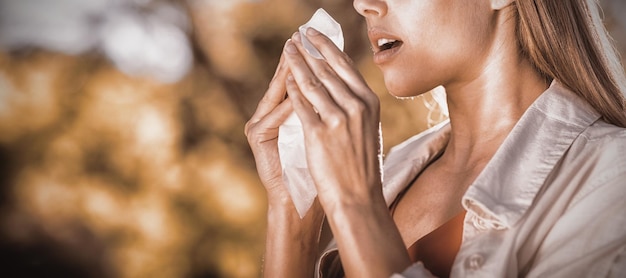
(567, 41)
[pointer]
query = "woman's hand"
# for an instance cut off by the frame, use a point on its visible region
(291, 242)
(262, 133)
(340, 115)
(341, 120)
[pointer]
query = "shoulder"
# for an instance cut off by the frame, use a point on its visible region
(601, 131)
(597, 158)
(601, 145)
(586, 196)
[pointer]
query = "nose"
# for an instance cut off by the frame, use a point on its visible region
(369, 8)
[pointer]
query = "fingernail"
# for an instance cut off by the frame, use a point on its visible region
(312, 32)
(290, 77)
(290, 48)
(296, 36)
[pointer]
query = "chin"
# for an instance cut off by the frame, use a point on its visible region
(395, 86)
(407, 82)
(401, 90)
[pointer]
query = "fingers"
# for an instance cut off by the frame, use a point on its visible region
(301, 105)
(310, 86)
(340, 63)
(340, 79)
(335, 86)
(275, 93)
(259, 131)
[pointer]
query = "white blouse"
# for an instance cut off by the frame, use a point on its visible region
(550, 203)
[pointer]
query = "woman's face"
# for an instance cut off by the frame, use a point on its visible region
(420, 44)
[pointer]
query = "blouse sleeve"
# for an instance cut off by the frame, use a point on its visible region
(329, 266)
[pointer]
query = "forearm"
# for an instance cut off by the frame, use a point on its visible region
(291, 242)
(368, 240)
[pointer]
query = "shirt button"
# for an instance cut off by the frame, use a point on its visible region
(474, 262)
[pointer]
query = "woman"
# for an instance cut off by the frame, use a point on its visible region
(527, 178)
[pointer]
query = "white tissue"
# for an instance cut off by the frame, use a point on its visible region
(323, 22)
(295, 171)
(291, 150)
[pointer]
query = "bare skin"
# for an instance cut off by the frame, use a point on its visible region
(287, 234)
(489, 86)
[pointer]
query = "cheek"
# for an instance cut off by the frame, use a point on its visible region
(437, 49)
(425, 65)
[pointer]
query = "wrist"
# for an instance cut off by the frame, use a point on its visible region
(353, 201)
(367, 235)
(292, 242)
(349, 208)
(282, 213)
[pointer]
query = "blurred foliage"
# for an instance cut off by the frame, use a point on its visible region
(106, 175)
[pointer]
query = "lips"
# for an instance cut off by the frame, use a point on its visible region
(382, 40)
(384, 44)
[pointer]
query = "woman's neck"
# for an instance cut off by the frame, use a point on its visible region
(484, 108)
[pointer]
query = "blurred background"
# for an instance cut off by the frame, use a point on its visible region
(122, 151)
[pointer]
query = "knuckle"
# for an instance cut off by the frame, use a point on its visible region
(315, 132)
(246, 128)
(291, 84)
(356, 108)
(265, 99)
(311, 84)
(325, 74)
(344, 60)
(336, 120)
(250, 131)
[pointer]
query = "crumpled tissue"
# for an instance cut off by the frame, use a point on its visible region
(291, 149)
(323, 22)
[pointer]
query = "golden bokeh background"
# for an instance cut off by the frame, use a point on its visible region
(107, 174)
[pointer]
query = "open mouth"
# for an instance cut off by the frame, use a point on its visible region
(386, 44)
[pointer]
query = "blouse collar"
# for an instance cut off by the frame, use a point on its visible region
(508, 184)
